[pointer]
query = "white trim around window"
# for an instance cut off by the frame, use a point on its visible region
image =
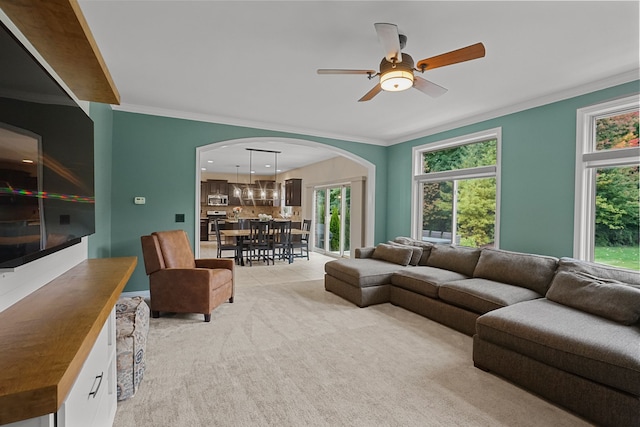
(587, 161)
(420, 177)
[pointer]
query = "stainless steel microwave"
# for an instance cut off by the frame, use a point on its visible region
(217, 200)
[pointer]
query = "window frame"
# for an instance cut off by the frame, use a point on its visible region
(588, 160)
(419, 177)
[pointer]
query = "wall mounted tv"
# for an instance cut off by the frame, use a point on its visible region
(46, 160)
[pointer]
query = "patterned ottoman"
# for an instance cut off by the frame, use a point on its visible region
(132, 327)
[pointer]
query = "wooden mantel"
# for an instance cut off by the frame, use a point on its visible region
(46, 337)
(59, 32)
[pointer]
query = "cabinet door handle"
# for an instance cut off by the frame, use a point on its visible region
(98, 378)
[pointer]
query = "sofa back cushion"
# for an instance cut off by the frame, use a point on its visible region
(426, 247)
(416, 251)
(603, 297)
(460, 259)
(600, 270)
(529, 271)
(396, 254)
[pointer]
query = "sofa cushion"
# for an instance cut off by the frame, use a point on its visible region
(600, 270)
(571, 340)
(460, 259)
(482, 295)
(362, 272)
(416, 251)
(426, 247)
(424, 280)
(530, 271)
(365, 252)
(607, 298)
(400, 255)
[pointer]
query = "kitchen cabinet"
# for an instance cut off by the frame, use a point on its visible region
(204, 229)
(204, 190)
(293, 192)
(263, 193)
(217, 186)
(235, 193)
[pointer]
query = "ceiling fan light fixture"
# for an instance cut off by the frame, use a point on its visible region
(396, 76)
(396, 80)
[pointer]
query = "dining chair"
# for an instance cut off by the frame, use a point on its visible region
(224, 246)
(281, 240)
(303, 243)
(258, 245)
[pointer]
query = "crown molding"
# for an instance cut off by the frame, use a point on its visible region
(234, 121)
(608, 82)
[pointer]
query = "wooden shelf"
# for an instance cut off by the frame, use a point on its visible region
(47, 336)
(59, 32)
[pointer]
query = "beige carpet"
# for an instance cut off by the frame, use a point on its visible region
(292, 354)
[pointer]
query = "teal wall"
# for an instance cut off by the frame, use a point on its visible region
(100, 242)
(155, 157)
(538, 174)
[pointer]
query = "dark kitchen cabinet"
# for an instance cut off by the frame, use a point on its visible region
(204, 229)
(293, 192)
(235, 193)
(204, 191)
(218, 186)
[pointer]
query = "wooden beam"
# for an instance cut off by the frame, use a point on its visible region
(59, 32)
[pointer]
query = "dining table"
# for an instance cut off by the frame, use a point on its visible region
(241, 234)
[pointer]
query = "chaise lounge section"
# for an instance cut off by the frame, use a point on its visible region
(565, 329)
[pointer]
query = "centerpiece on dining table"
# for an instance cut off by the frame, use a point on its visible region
(236, 212)
(264, 217)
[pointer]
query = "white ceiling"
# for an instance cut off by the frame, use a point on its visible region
(254, 63)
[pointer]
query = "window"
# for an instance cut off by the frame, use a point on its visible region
(455, 187)
(607, 184)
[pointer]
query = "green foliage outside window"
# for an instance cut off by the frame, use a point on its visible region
(475, 198)
(334, 229)
(617, 188)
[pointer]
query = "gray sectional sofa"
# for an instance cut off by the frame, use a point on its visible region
(565, 329)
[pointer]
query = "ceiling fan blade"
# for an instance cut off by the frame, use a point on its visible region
(427, 87)
(339, 71)
(389, 38)
(460, 55)
(373, 92)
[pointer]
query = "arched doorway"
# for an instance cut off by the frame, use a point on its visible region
(363, 198)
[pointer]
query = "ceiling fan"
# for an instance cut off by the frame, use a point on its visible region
(397, 69)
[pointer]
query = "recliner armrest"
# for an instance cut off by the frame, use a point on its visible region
(215, 263)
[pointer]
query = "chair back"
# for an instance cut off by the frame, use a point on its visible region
(217, 228)
(281, 232)
(243, 224)
(306, 226)
(152, 254)
(176, 249)
(259, 233)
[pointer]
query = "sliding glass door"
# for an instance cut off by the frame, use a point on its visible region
(332, 219)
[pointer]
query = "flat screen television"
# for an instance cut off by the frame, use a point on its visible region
(46, 160)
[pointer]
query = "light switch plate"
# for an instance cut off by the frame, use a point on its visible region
(139, 200)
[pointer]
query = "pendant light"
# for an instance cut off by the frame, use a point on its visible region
(236, 189)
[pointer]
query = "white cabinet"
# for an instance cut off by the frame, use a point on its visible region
(61, 370)
(92, 401)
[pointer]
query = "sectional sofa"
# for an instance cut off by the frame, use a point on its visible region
(565, 329)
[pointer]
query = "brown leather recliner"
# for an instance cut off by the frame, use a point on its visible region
(178, 283)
